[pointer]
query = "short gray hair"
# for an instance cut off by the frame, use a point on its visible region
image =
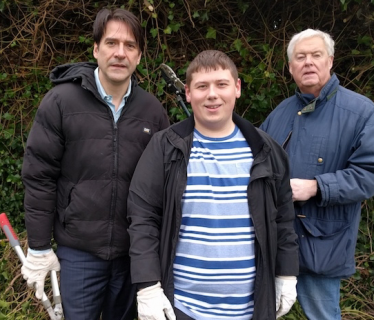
(309, 33)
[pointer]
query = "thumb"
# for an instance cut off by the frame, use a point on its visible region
(169, 312)
(39, 289)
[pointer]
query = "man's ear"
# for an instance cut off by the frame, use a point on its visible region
(238, 87)
(139, 58)
(95, 50)
(188, 93)
(290, 67)
(331, 62)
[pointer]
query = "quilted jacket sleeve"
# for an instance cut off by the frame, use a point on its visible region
(41, 168)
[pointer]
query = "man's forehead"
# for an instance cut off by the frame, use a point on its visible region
(117, 29)
(312, 43)
(217, 73)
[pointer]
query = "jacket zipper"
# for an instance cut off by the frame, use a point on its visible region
(114, 185)
(258, 248)
(114, 173)
(285, 143)
(115, 168)
(170, 273)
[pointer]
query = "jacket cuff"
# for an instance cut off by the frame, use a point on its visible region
(143, 285)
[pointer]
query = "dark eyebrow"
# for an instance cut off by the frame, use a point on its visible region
(116, 39)
(111, 39)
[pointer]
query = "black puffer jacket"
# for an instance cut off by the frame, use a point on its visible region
(78, 163)
(154, 206)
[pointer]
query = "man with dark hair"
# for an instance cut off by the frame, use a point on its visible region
(211, 211)
(88, 135)
(328, 133)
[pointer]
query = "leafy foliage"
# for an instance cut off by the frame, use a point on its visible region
(38, 35)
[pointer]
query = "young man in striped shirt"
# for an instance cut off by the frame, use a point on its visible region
(211, 211)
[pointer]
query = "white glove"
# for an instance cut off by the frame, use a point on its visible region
(153, 304)
(285, 294)
(36, 267)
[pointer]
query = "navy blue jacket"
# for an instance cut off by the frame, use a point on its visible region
(333, 144)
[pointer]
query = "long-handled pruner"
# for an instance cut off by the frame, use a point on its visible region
(57, 312)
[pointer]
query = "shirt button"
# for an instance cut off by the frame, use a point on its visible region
(299, 113)
(320, 160)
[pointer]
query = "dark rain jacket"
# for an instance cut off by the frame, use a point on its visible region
(333, 144)
(78, 163)
(154, 209)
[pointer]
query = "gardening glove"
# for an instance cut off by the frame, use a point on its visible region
(285, 294)
(36, 267)
(153, 304)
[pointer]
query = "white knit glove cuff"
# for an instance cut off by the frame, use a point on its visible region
(285, 294)
(36, 267)
(153, 304)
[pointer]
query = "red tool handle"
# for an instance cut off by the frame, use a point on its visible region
(8, 230)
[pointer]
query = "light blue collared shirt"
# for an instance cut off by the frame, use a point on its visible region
(108, 99)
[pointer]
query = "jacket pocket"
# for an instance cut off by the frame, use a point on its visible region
(64, 201)
(317, 154)
(271, 189)
(323, 246)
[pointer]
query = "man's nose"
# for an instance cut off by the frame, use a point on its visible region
(120, 52)
(212, 91)
(308, 59)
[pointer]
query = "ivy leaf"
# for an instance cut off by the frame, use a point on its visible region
(8, 116)
(167, 30)
(211, 34)
(238, 44)
(365, 40)
(154, 32)
(175, 26)
(8, 133)
(247, 78)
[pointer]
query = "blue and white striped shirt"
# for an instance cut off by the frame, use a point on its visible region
(214, 267)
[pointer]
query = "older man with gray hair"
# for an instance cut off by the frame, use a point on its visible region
(328, 133)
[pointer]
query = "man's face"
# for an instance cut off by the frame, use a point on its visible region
(310, 65)
(117, 55)
(212, 95)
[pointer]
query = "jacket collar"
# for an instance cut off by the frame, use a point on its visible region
(250, 133)
(326, 93)
(83, 73)
(255, 141)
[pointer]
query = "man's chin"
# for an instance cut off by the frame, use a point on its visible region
(120, 79)
(309, 83)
